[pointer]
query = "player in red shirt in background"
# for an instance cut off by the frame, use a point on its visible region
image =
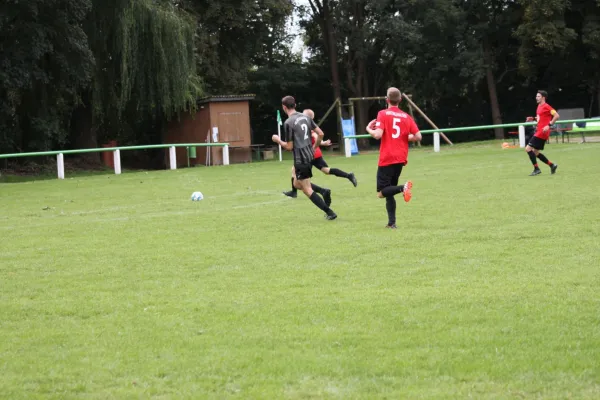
(320, 163)
(395, 128)
(546, 116)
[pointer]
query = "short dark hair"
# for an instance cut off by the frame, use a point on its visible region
(289, 102)
(543, 93)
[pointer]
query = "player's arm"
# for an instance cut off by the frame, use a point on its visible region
(319, 137)
(289, 146)
(324, 143)
(415, 137)
(318, 131)
(374, 130)
(555, 117)
(415, 134)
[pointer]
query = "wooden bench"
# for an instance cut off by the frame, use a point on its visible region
(589, 127)
(560, 130)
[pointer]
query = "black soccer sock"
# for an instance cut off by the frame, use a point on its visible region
(391, 191)
(338, 172)
(319, 202)
(293, 188)
(532, 158)
(544, 159)
(390, 206)
(317, 189)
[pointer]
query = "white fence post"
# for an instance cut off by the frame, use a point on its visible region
(521, 136)
(117, 161)
(226, 155)
(60, 165)
(347, 148)
(436, 142)
(172, 157)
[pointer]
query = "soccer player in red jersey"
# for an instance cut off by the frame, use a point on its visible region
(546, 116)
(320, 163)
(395, 128)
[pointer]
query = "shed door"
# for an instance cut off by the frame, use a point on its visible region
(230, 127)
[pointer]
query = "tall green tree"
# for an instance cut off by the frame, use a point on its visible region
(488, 37)
(44, 63)
(231, 36)
(145, 69)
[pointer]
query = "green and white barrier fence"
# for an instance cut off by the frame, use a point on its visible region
(60, 163)
(436, 132)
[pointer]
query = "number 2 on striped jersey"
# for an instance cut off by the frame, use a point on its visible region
(305, 129)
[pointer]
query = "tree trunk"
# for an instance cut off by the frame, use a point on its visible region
(363, 106)
(333, 60)
(491, 83)
(598, 102)
(322, 12)
(329, 36)
(83, 131)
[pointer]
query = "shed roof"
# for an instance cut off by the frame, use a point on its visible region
(226, 98)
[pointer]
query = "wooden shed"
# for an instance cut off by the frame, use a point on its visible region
(230, 115)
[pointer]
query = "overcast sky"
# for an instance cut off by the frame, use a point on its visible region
(298, 43)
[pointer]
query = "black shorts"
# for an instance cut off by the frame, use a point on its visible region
(319, 163)
(303, 171)
(388, 176)
(537, 143)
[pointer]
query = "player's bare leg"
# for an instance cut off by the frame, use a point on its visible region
(307, 188)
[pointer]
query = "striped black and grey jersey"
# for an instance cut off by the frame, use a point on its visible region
(298, 128)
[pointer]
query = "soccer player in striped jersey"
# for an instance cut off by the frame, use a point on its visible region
(320, 163)
(297, 129)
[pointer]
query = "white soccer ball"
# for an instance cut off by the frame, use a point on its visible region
(197, 196)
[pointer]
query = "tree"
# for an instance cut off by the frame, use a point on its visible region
(145, 69)
(44, 63)
(490, 24)
(232, 34)
(323, 13)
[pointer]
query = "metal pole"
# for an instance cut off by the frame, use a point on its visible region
(328, 112)
(341, 140)
(425, 116)
(352, 114)
(226, 155)
(351, 99)
(117, 161)
(412, 114)
(278, 134)
(521, 136)
(173, 157)
(60, 165)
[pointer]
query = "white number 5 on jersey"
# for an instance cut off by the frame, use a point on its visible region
(396, 126)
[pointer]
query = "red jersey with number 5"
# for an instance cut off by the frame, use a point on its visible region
(396, 125)
(544, 112)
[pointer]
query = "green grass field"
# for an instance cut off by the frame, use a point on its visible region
(116, 287)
